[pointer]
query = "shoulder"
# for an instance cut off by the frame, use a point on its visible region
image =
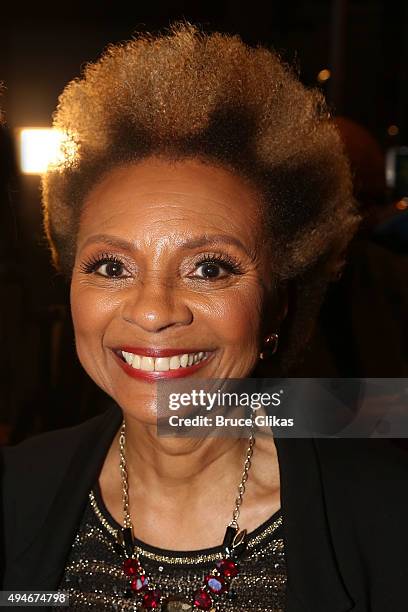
(36, 450)
(44, 455)
(45, 483)
(366, 499)
(360, 459)
(344, 504)
(364, 484)
(365, 470)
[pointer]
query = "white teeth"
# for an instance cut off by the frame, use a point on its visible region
(147, 364)
(136, 362)
(161, 364)
(174, 362)
(128, 356)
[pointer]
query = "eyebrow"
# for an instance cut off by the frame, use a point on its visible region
(192, 243)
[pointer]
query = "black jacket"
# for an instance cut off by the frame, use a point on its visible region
(344, 503)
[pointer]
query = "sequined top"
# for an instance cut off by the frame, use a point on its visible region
(95, 580)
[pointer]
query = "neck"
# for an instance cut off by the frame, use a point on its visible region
(173, 464)
(182, 490)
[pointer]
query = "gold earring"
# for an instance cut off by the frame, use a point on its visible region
(270, 346)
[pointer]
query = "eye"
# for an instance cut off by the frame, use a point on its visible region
(215, 267)
(210, 269)
(111, 269)
(107, 266)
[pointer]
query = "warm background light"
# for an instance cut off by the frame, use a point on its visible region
(393, 130)
(38, 148)
(402, 204)
(324, 75)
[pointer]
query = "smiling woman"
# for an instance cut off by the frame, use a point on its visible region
(178, 271)
(205, 210)
(237, 110)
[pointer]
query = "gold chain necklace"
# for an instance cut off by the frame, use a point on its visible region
(216, 583)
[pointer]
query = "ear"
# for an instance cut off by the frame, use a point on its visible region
(275, 309)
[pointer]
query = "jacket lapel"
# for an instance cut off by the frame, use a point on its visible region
(43, 559)
(314, 582)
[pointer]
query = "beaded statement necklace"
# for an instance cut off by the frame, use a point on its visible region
(217, 583)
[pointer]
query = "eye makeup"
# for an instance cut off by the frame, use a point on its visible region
(224, 261)
(116, 264)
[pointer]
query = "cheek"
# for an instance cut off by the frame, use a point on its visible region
(91, 313)
(236, 318)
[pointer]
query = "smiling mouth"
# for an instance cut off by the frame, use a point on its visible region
(173, 363)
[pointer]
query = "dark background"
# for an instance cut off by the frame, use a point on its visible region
(42, 48)
(363, 42)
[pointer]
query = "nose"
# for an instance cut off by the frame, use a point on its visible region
(156, 307)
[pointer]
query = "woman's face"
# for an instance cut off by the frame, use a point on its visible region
(170, 278)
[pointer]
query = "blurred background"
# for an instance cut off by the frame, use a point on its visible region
(356, 51)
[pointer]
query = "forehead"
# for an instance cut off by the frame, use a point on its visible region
(158, 196)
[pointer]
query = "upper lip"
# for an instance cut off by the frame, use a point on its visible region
(159, 352)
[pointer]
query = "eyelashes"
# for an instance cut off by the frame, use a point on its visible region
(91, 265)
(224, 261)
(115, 266)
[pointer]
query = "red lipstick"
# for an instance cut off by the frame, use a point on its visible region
(155, 376)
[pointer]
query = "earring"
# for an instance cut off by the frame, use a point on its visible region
(270, 346)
